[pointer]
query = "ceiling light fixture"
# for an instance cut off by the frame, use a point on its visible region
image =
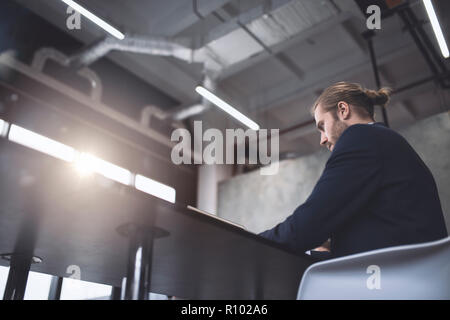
(40, 143)
(154, 188)
(101, 23)
(436, 28)
(226, 107)
(87, 163)
(3, 128)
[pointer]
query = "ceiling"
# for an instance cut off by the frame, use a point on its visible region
(274, 56)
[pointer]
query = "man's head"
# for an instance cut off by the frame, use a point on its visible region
(342, 105)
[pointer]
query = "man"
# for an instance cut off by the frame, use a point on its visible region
(375, 191)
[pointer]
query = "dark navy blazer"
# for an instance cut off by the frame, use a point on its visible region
(375, 192)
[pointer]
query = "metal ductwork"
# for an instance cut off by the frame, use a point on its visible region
(261, 30)
(157, 46)
(208, 83)
(43, 55)
(152, 46)
(285, 20)
(137, 44)
(188, 112)
(96, 51)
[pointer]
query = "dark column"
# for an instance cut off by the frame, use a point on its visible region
(115, 293)
(55, 288)
(137, 284)
(17, 276)
(21, 259)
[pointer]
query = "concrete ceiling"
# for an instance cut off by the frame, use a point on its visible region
(276, 55)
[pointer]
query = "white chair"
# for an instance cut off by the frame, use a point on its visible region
(419, 271)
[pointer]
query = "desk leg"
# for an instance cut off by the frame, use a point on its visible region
(22, 257)
(17, 276)
(115, 293)
(55, 288)
(21, 260)
(139, 264)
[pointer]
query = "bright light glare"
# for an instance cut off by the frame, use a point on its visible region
(3, 126)
(73, 289)
(87, 163)
(40, 143)
(101, 23)
(227, 108)
(38, 286)
(436, 28)
(155, 188)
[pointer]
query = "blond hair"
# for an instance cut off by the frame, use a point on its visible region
(354, 94)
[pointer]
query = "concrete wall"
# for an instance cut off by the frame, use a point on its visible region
(259, 202)
(209, 177)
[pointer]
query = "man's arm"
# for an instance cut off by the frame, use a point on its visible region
(351, 177)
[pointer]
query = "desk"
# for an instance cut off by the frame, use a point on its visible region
(48, 210)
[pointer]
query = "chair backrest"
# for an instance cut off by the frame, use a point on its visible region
(419, 271)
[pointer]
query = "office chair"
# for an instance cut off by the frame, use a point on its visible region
(419, 271)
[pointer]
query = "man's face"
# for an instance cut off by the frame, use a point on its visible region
(329, 126)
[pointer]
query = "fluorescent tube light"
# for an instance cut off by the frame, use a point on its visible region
(227, 108)
(155, 188)
(3, 127)
(101, 23)
(436, 28)
(40, 143)
(87, 163)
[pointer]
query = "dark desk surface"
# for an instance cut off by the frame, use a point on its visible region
(76, 221)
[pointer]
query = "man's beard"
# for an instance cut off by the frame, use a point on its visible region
(336, 132)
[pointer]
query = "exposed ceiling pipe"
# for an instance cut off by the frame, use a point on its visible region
(210, 84)
(188, 112)
(181, 113)
(201, 107)
(157, 46)
(153, 46)
(151, 111)
(132, 43)
(168, 47)
(42, 55)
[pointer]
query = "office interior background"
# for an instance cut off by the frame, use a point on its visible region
(269, 59)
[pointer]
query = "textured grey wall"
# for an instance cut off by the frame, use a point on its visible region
(259, 202)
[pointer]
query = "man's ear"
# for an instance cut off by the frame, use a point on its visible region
(343, 110)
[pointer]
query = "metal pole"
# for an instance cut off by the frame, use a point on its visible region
(55, 288)
(139, 264)
(373, 60)
(115, 293)
(418, 43)
(18, 276)
(22, 258)
(136, 284)
(428, 44)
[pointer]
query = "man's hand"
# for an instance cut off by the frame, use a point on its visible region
(324, 247)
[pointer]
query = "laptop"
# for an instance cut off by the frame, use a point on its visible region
(215, 217)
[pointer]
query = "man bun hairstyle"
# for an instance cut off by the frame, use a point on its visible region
(364, 100)
(380, 97)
